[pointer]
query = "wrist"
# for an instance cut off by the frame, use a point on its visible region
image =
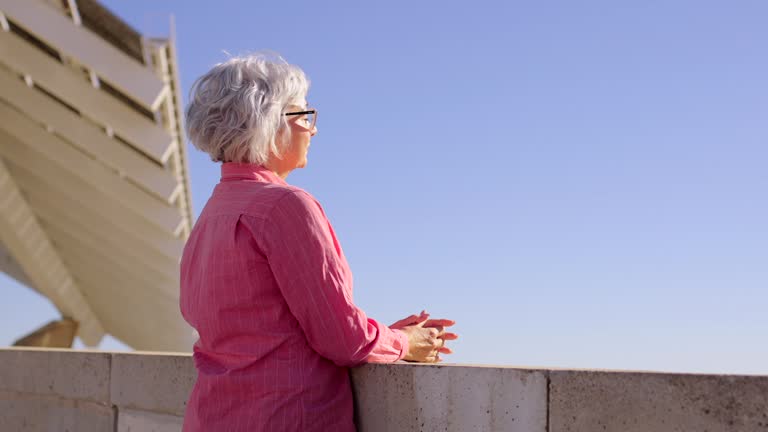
(403, 342)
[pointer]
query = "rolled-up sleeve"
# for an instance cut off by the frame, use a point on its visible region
(308, 265)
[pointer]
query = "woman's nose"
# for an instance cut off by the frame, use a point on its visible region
(314, 131)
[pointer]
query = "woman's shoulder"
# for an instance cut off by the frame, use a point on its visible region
(296, 199)
(275, 198)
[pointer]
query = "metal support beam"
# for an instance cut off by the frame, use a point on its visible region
(167, 69)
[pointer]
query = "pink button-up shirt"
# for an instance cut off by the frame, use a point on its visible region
(265, 284)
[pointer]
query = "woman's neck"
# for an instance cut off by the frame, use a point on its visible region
(275, 167)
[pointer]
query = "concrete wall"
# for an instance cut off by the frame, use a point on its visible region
(66, 390)
(63, 390)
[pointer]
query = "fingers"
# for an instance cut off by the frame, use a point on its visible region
(440, 346)
(442, 334)
(434, 356)
(410, 320)
(406, 321)
(422, 318)
(422, 321)
(439, 322)
(440, 331)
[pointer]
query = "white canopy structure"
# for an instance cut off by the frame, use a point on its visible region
(94, 186)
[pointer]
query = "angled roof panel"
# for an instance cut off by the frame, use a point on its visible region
(70, 86)
(87, 136)
(93, 164)
(107, 61)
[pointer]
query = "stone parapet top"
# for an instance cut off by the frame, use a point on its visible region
(148, 391)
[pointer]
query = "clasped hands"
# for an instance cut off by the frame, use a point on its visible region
(426, 337)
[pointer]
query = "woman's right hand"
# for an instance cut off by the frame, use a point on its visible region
(426, 339)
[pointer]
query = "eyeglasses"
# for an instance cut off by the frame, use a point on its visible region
(309, 121)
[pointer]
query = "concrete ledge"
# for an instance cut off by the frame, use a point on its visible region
(405, 397)
(57, 390)
(159, 382)
(56, 372)
(589, 401)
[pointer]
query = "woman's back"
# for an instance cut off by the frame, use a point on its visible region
(256, 370)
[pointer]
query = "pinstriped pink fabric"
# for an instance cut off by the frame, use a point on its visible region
(266, 285)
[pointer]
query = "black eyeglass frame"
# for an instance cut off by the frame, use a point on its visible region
(312, 111)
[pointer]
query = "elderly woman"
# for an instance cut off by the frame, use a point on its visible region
(264, 280)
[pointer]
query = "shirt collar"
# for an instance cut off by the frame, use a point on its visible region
(232, 171)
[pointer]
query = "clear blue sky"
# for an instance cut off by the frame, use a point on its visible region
(578, 184)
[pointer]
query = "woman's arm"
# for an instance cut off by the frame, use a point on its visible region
(306, 260)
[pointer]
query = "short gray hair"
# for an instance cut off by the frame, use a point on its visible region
(235, 111)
